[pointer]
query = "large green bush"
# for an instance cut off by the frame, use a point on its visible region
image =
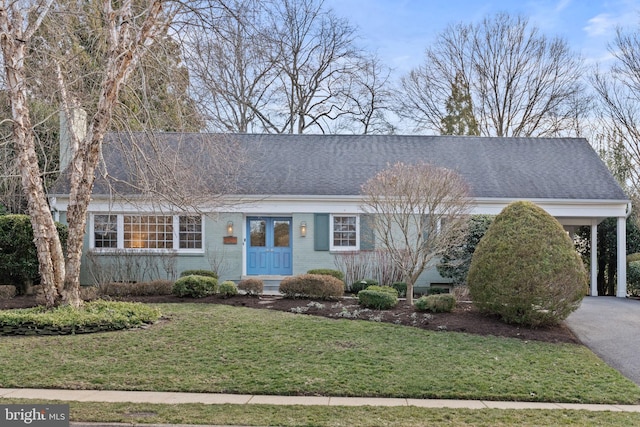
(195, 286)
(18, 256)
(378, 297)
(525, 269)
(319, 286)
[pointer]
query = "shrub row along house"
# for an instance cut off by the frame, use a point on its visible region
(271, 206)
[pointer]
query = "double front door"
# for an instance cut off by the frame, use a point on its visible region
(269, 246)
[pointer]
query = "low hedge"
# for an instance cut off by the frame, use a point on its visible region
(319, 286)
(437, 303)
(94, 316)
(252, 286)
(207, 273)
(378, 297)
(195, 286)
(328, 271)
(228, 289)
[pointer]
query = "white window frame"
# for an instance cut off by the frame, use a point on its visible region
(334, 248)
(120, 233)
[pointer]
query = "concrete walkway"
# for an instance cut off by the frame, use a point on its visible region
(246, 399)
(610, 327)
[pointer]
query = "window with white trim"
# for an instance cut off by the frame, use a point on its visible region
(345, 231)
(147, 232)
(105, 231)
(190, 232)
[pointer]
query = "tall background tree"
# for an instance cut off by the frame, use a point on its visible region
(291, 66)
(520, 82)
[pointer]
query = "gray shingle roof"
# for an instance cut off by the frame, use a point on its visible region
(530, 168)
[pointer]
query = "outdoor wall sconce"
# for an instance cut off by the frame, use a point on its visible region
(303, 229)
(230, 228)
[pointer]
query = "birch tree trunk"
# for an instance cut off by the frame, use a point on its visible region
(127, 42)
(14, 34)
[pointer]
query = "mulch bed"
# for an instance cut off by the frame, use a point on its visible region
(464, 318)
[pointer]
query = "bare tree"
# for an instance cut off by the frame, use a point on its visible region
(314, 49)
(129, 31)
(520, 82)
(618, 91)
(419, 211)
(232, 65)
(369, 97)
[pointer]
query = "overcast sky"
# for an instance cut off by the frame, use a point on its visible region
(399, 30)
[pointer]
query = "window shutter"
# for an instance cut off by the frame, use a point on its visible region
(367, 237)
(321, 232)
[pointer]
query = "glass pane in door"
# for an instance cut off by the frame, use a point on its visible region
(258, 235)
(281, 237)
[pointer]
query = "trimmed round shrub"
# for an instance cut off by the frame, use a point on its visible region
(319, 286)
(401, 287)
(207, 273)
(378, 297)
(251, 287)
(195, 286)
(228, 289)
(335, 273)
(438, 303)
(526, 270)
(633, 278)
(360, 285)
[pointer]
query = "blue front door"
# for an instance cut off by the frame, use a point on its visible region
(269, 246)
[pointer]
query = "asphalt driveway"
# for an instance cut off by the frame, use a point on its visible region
(610, 327)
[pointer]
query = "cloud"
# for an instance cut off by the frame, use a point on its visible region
(600, 25)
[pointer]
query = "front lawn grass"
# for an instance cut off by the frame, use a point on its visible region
(218, 348)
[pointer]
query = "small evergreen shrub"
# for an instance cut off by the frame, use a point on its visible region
(438, 303)
(360, 285)
(319, 286)
(251, 287)
(378, 297)
(228, 289)
(401, 287)
(207, 273)
(335, 273)
(120, 289)
(633, 278)
(195, 286)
